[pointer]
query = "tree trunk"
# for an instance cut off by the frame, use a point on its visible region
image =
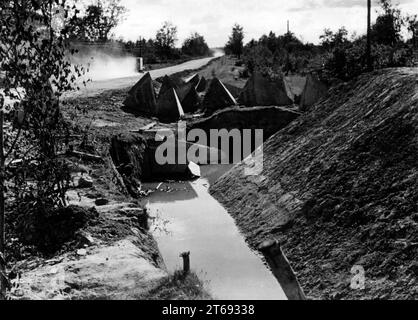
(2, 214)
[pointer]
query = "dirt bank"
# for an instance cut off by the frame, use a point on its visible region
(270, 119)
(339, 189)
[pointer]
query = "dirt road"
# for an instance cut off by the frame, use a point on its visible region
(97, 87)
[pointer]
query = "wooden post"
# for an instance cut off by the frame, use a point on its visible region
(282, 270)
(186, 262)
(3, 279)
(369, 37)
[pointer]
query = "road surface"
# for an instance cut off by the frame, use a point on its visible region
(97, 87)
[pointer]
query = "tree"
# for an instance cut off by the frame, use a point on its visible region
(387, 29)
(165, 39)
(235, 44)
(327, 38)
(34, 60)
(331, 40)
(98, 21)
(412, 25)
(270, 41)
(258, 58)
(195, 45)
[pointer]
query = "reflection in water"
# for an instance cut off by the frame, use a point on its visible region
(169, 192)
(219, 253)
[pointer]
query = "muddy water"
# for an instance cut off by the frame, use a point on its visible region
(188, 218)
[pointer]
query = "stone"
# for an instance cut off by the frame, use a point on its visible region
(194, 169)
(147, 127)
(101, 202)
(313, 91)
(191, 101)
(141, 98)
(262, 91)
(82, 252)
(84, 238)
(169, 108)
(217, 97)
(85, 181)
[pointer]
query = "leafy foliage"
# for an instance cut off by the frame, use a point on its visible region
(195, 45)
(347, 58)
(166, 39)
(330, 40)
(412, 27)
(339, 56)
(387, 29)
(276, 54)
(34, 59)
(97, 22)
(235, 45)
(142, 48)
(163, 47)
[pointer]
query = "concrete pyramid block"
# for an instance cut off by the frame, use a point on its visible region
(183, 90)
(313, 91)
(169, 108)
(191, 101)
(217, 97)
(194, 80)
(262, 91)
(141, 97)
(201, 86)
(235, 91)
(166, 85)
(176, 80)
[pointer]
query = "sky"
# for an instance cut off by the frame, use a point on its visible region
(214, 18)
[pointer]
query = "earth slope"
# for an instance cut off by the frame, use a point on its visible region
(339, 188)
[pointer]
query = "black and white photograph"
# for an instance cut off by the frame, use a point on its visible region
(208, 155)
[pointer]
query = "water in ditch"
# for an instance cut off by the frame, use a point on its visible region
(188, 218)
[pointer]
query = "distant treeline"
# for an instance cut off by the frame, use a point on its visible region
(339, 55)
(151, 50)
(93, 24)
(157, 51)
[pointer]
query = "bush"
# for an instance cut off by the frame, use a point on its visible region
(258, 58)
(49, 228)
(195, 46)
(348, 61)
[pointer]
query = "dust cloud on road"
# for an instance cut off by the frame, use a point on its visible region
(96, 87)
